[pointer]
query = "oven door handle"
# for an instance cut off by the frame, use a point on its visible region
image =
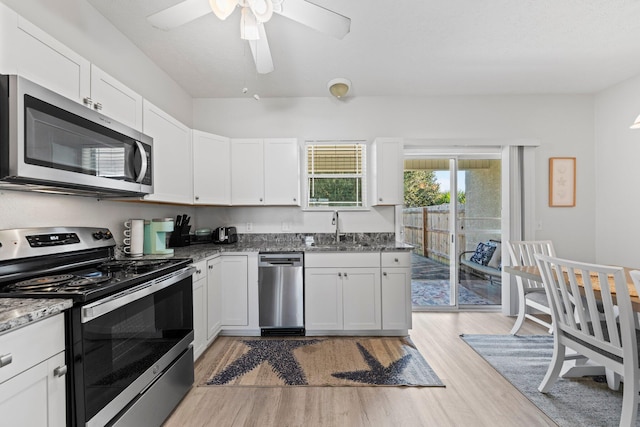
(115, 301)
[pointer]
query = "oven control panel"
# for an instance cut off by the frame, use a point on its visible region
(56, 239)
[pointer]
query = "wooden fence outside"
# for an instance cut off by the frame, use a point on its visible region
(428, 229)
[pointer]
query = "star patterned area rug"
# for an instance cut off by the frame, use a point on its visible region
(320, 361)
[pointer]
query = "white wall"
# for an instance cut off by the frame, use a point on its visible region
(617, 174)
(79, 26)
(562, 124)
(22, 209)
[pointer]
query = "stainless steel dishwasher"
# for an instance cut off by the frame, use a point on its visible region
(281, 293)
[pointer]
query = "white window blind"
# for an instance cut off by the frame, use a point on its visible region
(336, 175)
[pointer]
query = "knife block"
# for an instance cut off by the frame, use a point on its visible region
(180, 237)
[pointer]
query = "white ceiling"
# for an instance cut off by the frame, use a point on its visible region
(402, 47)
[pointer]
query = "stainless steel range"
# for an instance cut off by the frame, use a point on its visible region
(129, 333)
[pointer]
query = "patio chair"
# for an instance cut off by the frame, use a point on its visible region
(579, 292)
(531, 293)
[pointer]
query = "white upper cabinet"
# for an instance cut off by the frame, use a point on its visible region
(387, 171)
(171, 169)
(114, 99)
(211, 169)
(8, 31)
(281, 171)
(265, 171)
(49, 63)
(247, 172)
(42, 59)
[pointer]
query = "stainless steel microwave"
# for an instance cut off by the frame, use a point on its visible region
(50, 143)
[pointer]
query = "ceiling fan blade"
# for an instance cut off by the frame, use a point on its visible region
(261, 52)
(316, 17)
(179, 14)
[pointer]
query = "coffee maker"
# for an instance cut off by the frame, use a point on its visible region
(158, 229)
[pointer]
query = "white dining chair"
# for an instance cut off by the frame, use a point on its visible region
(531, 295)
(579, 292)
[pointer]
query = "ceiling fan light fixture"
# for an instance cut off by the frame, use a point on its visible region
(223, 8)
(248, 25)
(339, 87)
(636, 124)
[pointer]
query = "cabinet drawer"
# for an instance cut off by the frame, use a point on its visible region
(201, 270)
(46, 335)
(395, 259)
(342, 259)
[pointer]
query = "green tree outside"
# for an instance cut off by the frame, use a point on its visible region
(422, 189)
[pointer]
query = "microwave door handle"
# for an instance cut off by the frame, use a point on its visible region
(143, 162)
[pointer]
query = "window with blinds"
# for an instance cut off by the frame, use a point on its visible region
(336, 175)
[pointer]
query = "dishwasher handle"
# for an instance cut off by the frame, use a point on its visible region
(280, 260)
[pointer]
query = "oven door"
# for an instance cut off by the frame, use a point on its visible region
(127, 341)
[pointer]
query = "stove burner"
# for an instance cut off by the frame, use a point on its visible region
(80, 282)
(42, 282)
(136, 267)
(58, 283)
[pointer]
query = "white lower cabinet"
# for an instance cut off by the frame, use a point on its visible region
(234, 290)
(214, 295)
(32, 385)
(323, 299)
(396, 290)
(199, 309)
(339, 297)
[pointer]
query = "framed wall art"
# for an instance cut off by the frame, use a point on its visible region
(562, 181)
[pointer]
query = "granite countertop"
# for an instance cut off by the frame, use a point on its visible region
(16, 312)
(199, 252)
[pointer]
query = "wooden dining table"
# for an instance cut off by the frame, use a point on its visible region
(580, 367)
(532, 273)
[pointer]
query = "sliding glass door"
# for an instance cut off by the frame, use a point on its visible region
(452, 207)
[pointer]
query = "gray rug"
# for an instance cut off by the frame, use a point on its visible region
(523, 360)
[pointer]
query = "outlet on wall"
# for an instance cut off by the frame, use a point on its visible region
(249, 226)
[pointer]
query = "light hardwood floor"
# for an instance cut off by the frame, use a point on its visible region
(475, 394)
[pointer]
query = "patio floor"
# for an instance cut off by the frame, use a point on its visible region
(430, 286)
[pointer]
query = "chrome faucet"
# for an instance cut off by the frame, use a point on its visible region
(336, 222)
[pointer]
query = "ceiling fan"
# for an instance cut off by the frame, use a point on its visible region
(254, 13)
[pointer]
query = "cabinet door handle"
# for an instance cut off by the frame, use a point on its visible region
(345, 274)
(5, 360)
(395, 260)
(60, 371)
(198, 271)
(97, 106)
(384, 273)
(211, 267)
(260, 198)
(380, 199)
(339, 274)
(87, 101)
(197, 197)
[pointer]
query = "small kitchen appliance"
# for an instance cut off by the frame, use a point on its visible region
(129, 333)
(159, 228)
(225, 235)
(202, 235)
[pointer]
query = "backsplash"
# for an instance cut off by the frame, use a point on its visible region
(319, 238)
